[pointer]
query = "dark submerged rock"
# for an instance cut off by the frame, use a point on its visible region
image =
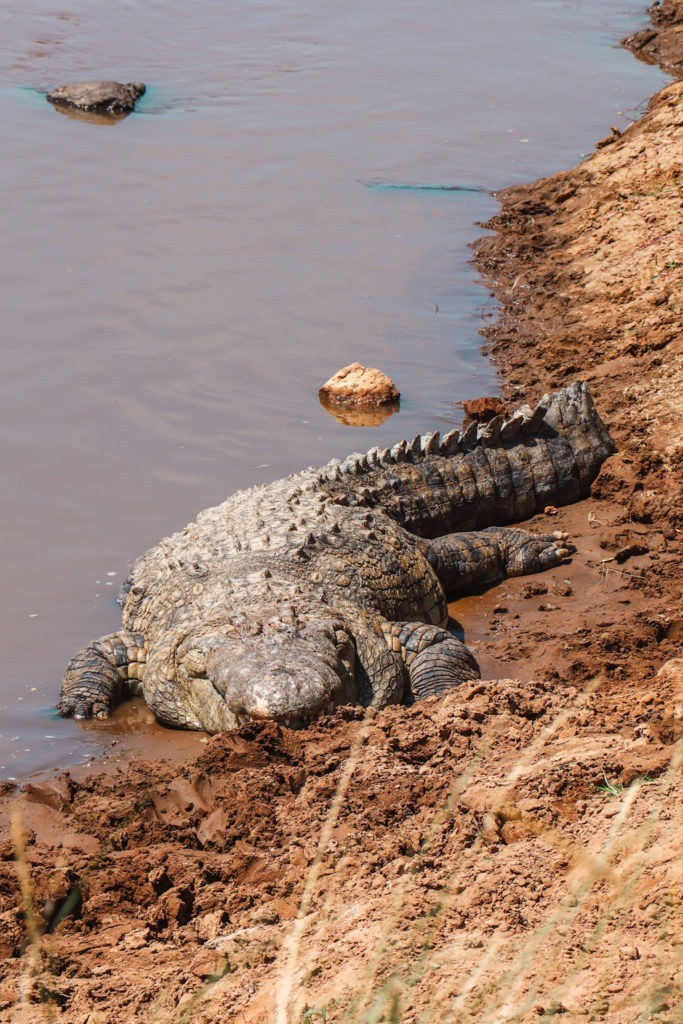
(101, 96)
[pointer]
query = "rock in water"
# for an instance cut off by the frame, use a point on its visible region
(359, 385)
(101, 96)
(483, 409)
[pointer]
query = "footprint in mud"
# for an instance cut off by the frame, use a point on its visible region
(184, 800)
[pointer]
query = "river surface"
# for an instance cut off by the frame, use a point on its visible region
(176, 286)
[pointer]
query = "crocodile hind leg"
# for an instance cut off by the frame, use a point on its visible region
(435, 659)
(101, 674)
(465, 561)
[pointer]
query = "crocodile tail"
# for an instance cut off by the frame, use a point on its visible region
(498, 472)
(573, 424)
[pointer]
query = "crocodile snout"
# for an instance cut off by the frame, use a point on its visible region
(281, 675)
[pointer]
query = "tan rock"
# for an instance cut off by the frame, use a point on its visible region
(358, 385)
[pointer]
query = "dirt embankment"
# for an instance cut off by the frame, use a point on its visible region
(509, 853)
(662, 42)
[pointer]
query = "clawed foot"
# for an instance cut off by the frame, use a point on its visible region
(530, 552)
(84, 705)
(100, 673)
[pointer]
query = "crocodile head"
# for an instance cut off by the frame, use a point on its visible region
(278, 671)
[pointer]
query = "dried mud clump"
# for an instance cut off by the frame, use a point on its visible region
(470, 848)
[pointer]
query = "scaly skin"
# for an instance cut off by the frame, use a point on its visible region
(330, 587)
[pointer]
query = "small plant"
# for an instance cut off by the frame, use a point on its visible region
(617, 789)
(610, 788)
(314, 1014)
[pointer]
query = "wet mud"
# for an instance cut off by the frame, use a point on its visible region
(509, 852)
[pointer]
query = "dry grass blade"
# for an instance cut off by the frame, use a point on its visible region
(31, 987)
(290, 948)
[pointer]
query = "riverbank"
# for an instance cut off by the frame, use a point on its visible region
(507, 853)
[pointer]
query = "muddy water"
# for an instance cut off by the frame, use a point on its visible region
(176, 286)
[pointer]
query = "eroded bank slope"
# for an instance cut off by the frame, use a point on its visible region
(661, 42)
(509, 853)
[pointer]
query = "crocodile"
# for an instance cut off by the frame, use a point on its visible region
(330, 586)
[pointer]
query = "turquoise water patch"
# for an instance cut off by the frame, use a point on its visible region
(411, 186)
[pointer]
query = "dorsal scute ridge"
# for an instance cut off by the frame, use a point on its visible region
(415, 448)
(535, 418)
(489, 432)
(523, 422)
(468, 439)
(450, 443)
(430, 442)
(398, 452)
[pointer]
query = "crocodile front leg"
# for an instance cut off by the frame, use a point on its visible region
(99, 676)
(466, 561)
(436, 660)
(380, 677)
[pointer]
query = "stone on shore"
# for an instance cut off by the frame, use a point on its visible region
(483, 409)
(357, 385)
(100, 96)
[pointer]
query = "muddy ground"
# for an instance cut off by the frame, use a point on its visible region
(509, 853)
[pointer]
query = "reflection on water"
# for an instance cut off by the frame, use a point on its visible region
(174, 291)
(363, 417)
(90, 116)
